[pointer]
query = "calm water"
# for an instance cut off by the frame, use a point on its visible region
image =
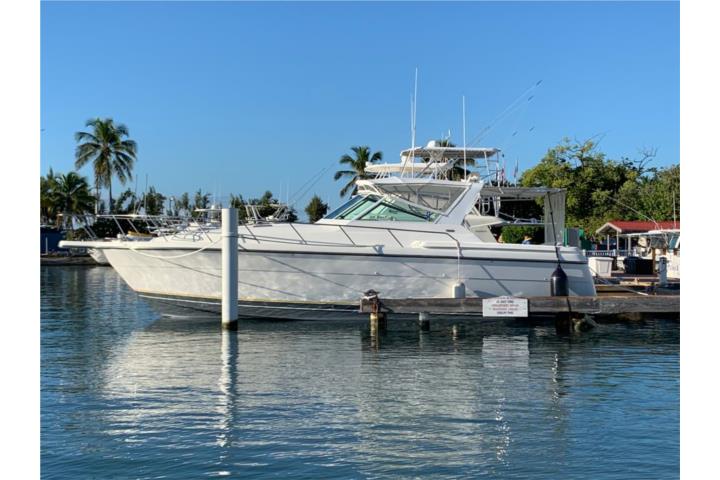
(127, 393)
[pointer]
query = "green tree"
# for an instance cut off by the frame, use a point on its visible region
(153, 202)
(239, 203)
(48, 185)
(655, 197)
(516, 234)
(592, 181)
(600, 189)
(357, 165)
(71, 194)
(125, 203)
(291, 215)
(110, 153)
(266, 204)
(316, 209)
(183, 203)
(202, 201)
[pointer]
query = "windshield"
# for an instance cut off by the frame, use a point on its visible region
(374, 207)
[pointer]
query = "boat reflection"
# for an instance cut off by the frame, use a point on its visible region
(456, 394)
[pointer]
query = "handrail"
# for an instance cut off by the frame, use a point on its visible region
(298, 233)
(346, 234)
(161, 225)
(608, 253)
(389, 230)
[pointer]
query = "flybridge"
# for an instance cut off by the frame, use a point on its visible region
(436, 161)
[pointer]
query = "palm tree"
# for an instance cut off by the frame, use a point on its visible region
(182, 204)
(358, 165)
(153, 201)
(126, 196)
(71, 194)
(110, 154)
(48, 184)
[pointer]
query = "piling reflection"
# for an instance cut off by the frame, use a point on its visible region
(227, 385)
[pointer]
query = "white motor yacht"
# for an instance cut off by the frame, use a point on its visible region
(409, 232)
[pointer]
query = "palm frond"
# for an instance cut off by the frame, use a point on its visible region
(350, 184)
(343, 173)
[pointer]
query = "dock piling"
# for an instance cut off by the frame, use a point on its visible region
(229, 268)
(584, 323)
(459, 290)
(378, 322)
(424, 321)
(662, 272)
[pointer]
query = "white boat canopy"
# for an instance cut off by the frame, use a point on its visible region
(441, 159)
(413, 168)
(439, 153)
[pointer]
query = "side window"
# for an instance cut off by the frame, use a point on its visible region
(386, 212)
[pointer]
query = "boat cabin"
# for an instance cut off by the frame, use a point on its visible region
(433, 184)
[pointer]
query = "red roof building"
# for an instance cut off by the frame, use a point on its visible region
(629, 229)
(636, 226)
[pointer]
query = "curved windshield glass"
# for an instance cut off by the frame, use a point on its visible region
(344, 206)
(373, 207)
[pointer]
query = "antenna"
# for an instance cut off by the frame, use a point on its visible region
(135, 199)
(414, 125)
(464, 143)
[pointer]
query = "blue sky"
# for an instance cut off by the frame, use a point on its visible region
(244, 97)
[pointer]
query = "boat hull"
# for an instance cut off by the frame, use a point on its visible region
(307, 285)
(98, 256)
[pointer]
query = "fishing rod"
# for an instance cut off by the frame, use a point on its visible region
(514, 105)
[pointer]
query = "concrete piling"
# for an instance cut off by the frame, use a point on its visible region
(229, 234)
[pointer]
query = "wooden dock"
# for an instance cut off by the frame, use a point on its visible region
(570, 313)
(599, 305)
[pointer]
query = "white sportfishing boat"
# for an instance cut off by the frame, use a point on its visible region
(410, 232)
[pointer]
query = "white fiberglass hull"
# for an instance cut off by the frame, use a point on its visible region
(98, 256)
(272, 283)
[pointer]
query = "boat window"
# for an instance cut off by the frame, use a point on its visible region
(386, 212)
(371, 208)
(344, 206)
(355, 208)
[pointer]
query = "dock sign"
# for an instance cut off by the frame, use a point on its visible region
(505, 307)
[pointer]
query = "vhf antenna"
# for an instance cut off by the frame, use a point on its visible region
(464, 143)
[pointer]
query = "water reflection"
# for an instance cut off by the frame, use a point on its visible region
(146, 396)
